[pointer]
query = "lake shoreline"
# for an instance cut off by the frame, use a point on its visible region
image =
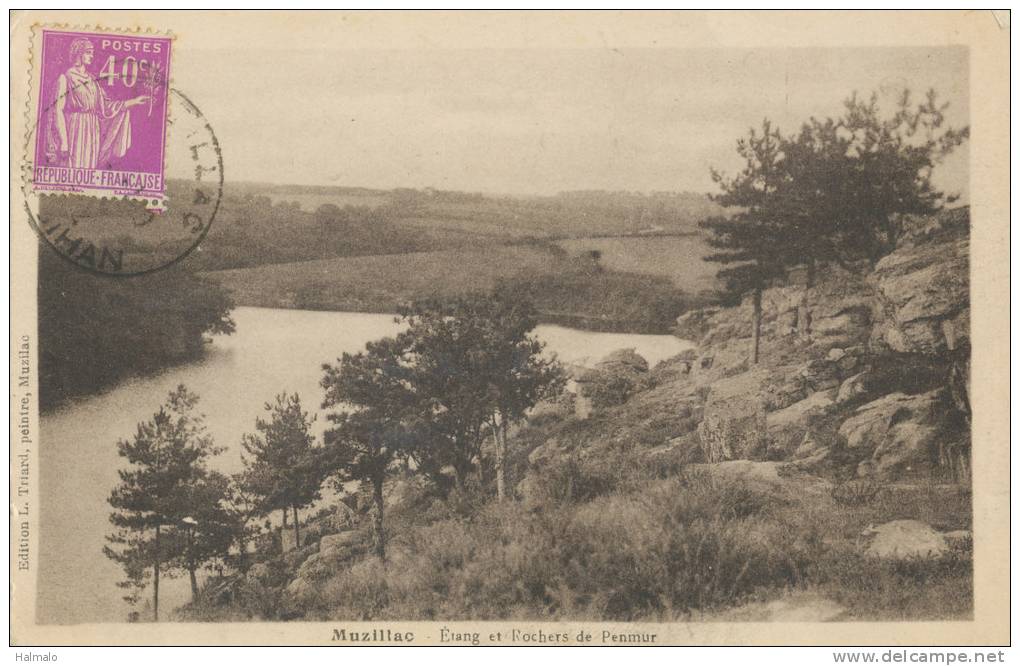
(271, 350)
(592, 323)
(581, 322)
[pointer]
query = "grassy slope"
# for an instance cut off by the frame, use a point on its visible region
(378, 283)
(614, 535)
(566, 290)
(269, 250)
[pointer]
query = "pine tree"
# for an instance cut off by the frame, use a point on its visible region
(167, 458)
(282, 466)
(755, 242)
(853, 178)
(476, 370)
(377, 424)
(510, 361)
(207, 530)
(447, 356)
(242, 505)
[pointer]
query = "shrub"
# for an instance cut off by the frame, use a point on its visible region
(855, 493)
(918, 588)
(359, 593)
(573, 479)
(260, 600)
(609, 389)
(660, 552)
(665, 553)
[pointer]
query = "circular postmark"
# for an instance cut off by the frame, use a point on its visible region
(124, 232)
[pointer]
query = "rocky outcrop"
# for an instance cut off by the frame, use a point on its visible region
(613, 379)
(853, 388)
(623, 360)
(924, 290)
(788, 428)
(695, 324)
(682, 450)
(904, 539)
(896, 434)
(882, 344)
(260, 572)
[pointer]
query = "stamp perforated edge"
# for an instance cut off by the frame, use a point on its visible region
(32, 101)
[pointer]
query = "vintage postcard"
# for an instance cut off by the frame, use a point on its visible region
(509, 328)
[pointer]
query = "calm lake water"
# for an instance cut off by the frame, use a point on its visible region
(272, 351)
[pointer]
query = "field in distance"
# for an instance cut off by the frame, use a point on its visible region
(573, 290)
(378, 283)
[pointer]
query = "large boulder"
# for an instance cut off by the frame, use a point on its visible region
(681, 450)
(611, 382)
(294, 558)
(897, 433)
(324, 564)
(853, 388)
(343, 540)
(301, 590)
(734, 424)
(693, 325)
(904, 539)
(623, 360)
(821, 374)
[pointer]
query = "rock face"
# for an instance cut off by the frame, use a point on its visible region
(904, 539)
(300, 590)
(694, 324)
(924, 289)
(841, 310)
(787, 428)
(853, 388)
(866, 369)
(734, 424)
(896, 433)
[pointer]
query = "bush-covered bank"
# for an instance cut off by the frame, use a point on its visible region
(95, 331)
(565, 290)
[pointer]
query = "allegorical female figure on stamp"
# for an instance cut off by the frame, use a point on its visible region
(90, 135)
(90, 128)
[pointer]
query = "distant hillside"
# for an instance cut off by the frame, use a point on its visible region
(565, 289)
(261, 224)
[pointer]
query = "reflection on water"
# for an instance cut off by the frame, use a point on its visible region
(272, 351)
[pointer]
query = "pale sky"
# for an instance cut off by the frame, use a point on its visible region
(533, 121)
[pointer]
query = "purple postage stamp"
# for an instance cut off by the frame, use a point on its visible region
(101, 120)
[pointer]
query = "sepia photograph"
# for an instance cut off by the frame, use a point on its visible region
(338, 324)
